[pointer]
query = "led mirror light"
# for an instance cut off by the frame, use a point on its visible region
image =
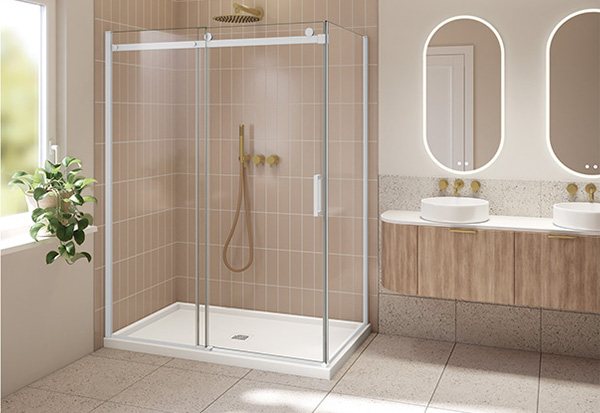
(573, 93)
(468, 148)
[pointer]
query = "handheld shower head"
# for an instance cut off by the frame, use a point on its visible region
(253, 15)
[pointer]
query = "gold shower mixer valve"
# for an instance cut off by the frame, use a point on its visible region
(245, 159)
(273, 160)
(258, 160)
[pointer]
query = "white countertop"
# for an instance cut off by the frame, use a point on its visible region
(498, 222)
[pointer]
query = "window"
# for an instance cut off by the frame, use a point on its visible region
(27, 91)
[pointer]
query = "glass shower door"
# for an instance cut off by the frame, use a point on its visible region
(275, 90)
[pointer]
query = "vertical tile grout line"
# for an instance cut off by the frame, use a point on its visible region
(441, 375)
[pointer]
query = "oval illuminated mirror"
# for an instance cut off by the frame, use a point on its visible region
(463, 94)
(573, 93)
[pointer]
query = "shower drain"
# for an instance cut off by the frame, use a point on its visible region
(240, 337)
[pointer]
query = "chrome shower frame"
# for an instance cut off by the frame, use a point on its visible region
(330, 362)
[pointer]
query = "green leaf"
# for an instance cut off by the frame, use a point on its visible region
(79, 236)
(61, 233)
(70, 248)
(39, 193)
(89, 218)
(82, 183)
(51, 257)
(83, 223)
(69, 160)
(33, 231)
(69, 231)
(20, 173)
(90, 199)
(76, 199)
(37, 213)
(86, 255)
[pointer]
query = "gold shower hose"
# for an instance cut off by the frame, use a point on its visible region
(243, 191)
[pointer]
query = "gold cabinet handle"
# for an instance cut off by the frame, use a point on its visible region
(464, 231)
(561, 237)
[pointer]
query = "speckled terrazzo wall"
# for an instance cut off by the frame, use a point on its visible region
(524, 328)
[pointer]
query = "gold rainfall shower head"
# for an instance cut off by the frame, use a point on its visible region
(253, 15)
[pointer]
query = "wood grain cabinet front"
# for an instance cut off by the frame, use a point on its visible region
(558, 271)
(399, 258)
(466, 264)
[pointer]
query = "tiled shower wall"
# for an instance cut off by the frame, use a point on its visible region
(143, 167)
(525, 328)
(156, 275)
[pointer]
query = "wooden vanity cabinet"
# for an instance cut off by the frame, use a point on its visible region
(399, 258)
(466, 264)
(557, 271)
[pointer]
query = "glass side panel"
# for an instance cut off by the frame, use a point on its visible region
(275, 306)
(155, 114)
(345, 195)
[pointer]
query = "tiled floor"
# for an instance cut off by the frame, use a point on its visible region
(388, 374)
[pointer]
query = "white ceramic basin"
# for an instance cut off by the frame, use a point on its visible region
(584, 216)
(454, 210)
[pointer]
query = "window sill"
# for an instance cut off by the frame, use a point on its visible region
(18, 239)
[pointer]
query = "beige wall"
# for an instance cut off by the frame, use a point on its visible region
(575, 92)
(487, 63)
(47, 311)
(524, 28)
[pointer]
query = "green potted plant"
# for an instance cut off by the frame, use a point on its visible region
(54, 196)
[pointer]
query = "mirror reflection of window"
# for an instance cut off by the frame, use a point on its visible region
(464, 94)
(575, 93)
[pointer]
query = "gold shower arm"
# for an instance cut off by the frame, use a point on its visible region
(257, 11)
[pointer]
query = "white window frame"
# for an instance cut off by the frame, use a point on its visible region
(17, 224)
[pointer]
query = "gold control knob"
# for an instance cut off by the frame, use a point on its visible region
(458, 184)
(590, 189)
(443, 184)
(475, 186)
(273, 160)
(258, 160)
(572, 189)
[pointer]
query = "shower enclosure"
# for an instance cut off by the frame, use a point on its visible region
(176, 104)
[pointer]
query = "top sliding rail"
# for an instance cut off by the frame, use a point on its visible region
(208, 42)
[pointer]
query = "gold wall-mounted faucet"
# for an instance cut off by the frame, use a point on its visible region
(443, 184)
(572, 189)
(258, 160)
(273, 160)
(475, 186)
(590, 189)
(458, 184)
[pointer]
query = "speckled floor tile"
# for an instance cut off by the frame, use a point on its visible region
(132, 356)
(498, 325)
(249, 396)
(569, 384)
(176, 390)
(489, 380)
(210, 368)
(434, 410)
(95, 377)
(110, 407)
(343, 403)
(309, 382)
(417, 317)
(30, 400)
(571, 334)
(397, 369)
